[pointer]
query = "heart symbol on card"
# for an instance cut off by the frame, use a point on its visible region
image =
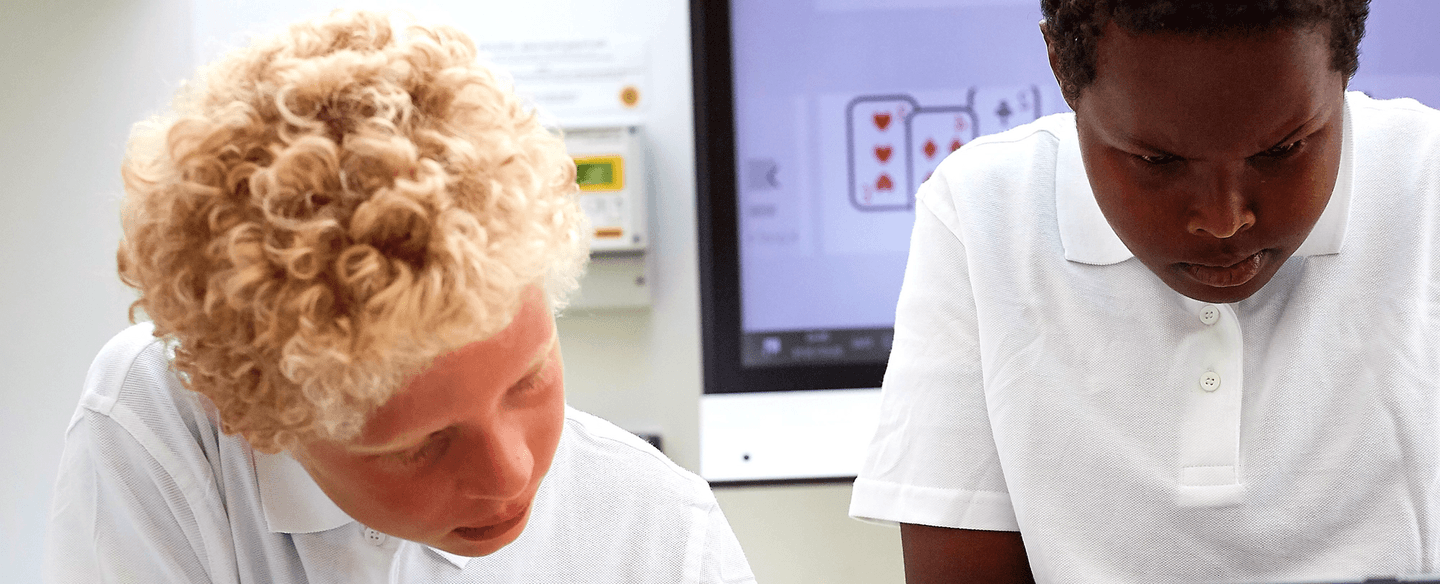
(884, 183)
(883, 153)
(882, 120)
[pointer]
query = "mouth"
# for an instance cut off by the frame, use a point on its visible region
(1226, 276)
(492, 530)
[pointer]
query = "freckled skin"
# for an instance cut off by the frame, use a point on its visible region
(1218, 118)
(463, 445)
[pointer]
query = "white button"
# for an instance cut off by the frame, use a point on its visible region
(1210, 314)
(374, 537)
(1210, 381)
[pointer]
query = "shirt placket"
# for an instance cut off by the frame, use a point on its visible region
(1209, 465)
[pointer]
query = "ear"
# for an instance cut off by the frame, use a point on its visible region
(1054, 58)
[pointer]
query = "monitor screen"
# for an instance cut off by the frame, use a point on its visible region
(837, 111)
(841, 109)
(816, 122)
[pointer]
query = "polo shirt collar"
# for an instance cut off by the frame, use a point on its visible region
(1088, 238)
(459, 561)
(293, 503)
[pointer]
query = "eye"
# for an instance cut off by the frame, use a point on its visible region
(1282, 150)
(431, 448)
(527, 384)
(1157, 159)
(542, 375)
(533, 380)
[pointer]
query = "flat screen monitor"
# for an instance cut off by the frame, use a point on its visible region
(816, 122)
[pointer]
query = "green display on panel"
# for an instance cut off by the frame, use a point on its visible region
(595, 173)
(600, 173)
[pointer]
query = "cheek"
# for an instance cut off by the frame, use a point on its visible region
(503, 455)
(405, 498)
(547, 421)
(546, 413)
(1138, 209)
(1306, 190)
(384, 501)
(393, 496)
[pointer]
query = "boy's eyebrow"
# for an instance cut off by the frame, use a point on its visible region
(394, 445)
(1290, 137)
(540, 357)
(1142, 144)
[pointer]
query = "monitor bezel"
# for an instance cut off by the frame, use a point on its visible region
(718, 228)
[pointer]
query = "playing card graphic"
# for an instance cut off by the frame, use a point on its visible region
(894, 142)
(876, 153)
(1001, 108)
(934, 134)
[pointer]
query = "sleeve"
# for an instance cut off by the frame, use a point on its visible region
(723, 562)
(127, 508)
(933, 459)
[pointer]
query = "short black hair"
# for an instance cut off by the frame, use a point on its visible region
(1074, 27)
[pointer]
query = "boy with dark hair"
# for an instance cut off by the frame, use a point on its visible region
(1184, 334)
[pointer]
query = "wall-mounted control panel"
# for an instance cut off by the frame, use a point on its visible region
(610, 167)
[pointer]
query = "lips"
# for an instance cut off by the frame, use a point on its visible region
(1226, 276)
(491, 529)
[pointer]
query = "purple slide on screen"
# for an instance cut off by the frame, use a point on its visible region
(843, 107)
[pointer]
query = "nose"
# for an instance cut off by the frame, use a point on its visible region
(498, 466)
(1224, 210)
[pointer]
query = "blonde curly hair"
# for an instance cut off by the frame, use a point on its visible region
(328, 210)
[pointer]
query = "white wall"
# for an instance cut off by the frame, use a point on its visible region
(77, 73)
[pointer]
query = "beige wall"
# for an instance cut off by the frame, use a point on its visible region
(79, 72)
(800, 534)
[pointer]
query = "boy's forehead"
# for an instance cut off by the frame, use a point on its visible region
(1117, 44)
(1174, 88)
(473, 371)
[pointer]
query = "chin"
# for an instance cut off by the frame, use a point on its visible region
(484, 544)
(1215, 289)
(1222, 297)
(1219, 295)
(460, 547)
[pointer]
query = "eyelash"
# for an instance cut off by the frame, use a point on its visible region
(534, 379)
(526, 384)
(432, 446)
(1277, 153)
(1283, 151)
(1157, 160)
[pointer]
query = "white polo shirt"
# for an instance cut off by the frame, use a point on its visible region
(151, 491)
(1043, 380)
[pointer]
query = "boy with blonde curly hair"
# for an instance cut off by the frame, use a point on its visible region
(351, 238)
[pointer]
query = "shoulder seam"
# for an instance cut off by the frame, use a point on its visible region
(653, 454)
(103, 404)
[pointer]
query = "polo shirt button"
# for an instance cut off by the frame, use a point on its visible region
(374, 537)
(1210, 314)
(1210, 381)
